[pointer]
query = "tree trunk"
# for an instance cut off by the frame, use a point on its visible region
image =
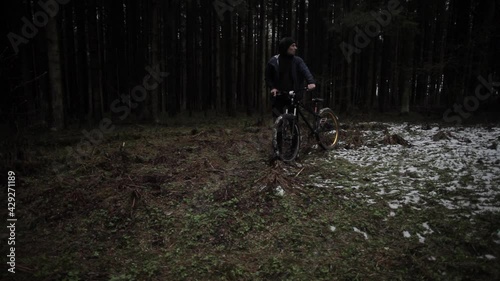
(394, 78)
(100, 54)
(385, 73)
(249, 63)
(264, 57)
(55, 76)
(95, 113)
(367, 96)
(292, 18)
(69, 63)
(407, 69)
(227, 30)
(239, 59)
(348, 83)
(207, 66)
(155, 57)
(301, 29)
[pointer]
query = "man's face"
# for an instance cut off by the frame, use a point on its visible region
(292, 49)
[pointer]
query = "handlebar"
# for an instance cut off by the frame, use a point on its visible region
(291, 93)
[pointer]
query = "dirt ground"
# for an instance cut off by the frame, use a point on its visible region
(204, 200)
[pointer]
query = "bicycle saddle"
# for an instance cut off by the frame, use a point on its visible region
(317, 100)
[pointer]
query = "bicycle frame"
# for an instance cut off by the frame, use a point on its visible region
(315, 114)
(296, 109)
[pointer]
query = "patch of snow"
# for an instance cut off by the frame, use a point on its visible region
(421, 239)
(393, 205)
(321, 185)
(428, 229)
(280, 191)
(406, 234)
(448, 204)
(412, 197)
(429, 171)
(362, 232)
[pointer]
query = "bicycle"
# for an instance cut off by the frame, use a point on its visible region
(286, 132)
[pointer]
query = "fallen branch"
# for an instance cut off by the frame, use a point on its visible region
(299, 172)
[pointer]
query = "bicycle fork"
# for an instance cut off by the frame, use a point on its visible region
(295, 118)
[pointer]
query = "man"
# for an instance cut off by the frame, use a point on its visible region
(286, 72)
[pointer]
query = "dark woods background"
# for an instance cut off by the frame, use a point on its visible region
(94, 52)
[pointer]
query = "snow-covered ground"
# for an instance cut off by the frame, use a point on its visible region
(460, 173)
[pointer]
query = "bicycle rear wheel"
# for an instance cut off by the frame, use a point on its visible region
(327, 132)
(286, 137)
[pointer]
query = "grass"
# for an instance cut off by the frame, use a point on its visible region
(199, 202)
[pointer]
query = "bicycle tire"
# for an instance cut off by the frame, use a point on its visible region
(286, 137)
(327, 129)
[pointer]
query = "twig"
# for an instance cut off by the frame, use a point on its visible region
(198, 134)
(208, 161)
(300, 172)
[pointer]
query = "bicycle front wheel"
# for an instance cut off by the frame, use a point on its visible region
(327, 132)
(286, 137)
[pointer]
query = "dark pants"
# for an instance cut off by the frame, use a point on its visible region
(279, 103)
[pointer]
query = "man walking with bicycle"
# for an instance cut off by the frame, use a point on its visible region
(286, 72)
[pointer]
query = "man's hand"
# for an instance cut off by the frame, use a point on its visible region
(311, 86)
(274, 91)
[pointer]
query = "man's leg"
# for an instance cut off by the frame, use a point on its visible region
(277, 107)
(277, 110)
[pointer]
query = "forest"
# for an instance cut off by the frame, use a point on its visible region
(137, 140)
(75, 62)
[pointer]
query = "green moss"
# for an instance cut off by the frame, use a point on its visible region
(175, 205)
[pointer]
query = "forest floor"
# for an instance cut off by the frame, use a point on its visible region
(203, 201)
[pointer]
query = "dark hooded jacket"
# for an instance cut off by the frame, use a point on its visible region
(286, 72)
